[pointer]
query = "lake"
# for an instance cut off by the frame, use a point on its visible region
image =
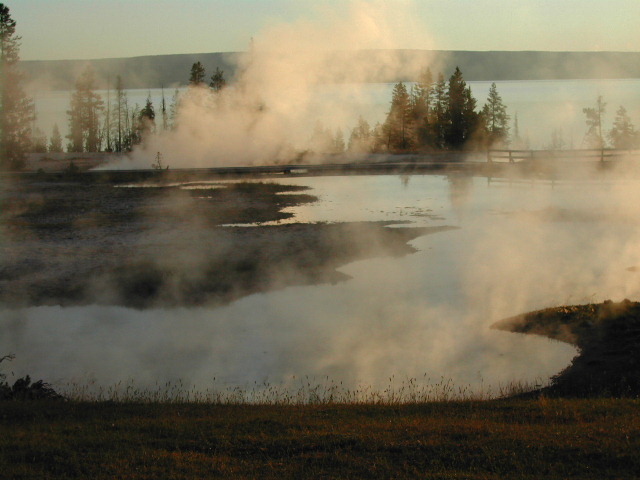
(542, 106)
(517, 246)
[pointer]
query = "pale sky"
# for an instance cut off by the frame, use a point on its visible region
(87, 29)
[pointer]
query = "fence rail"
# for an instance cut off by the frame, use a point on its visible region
(602, 155)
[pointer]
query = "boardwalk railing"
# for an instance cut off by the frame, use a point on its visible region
(533, 155)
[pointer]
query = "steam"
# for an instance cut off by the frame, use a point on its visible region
(269, 112)
(520, 247)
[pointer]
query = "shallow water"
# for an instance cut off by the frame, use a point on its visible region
(518, 247)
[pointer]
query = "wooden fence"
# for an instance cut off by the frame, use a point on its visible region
(606, 154)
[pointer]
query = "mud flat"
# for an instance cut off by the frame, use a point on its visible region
(607, 336)
(158, 245)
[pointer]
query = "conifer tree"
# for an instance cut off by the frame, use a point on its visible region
(196, 78)
(623, 134)
(218, 81)
(55, 142)
(120, 116)
(421, 107)
(146, 119)
(398, 125)
(594, 138)
(86, 105)
(438, 122)
(496, 120)
(360, 139)
(17, 111)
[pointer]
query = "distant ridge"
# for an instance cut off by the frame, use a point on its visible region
(173, 70)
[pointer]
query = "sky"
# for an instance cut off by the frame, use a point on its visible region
(88, 29)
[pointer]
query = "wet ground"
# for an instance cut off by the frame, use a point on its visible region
(69, 243)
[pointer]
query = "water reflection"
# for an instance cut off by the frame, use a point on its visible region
(424, 314)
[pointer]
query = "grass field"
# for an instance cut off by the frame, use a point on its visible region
(529, 439)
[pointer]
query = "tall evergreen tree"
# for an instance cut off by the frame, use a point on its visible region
(462, 118)
(196, 78)
(360, 139)
(146, 119)
(438, 118)
(55, 142)
(38, 141)
(594, 138)
(17, 111)
(173, 108)
(623, 134)
(120, 115)
(86, 105)
(165, 114)
(218, 81)
(495, 117)
(398, 125)
(421, 108)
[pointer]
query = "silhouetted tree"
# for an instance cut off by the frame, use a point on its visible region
(196, 78)
(623, 134)
(38, 141)
(173, 109)
(217, 80)
(17, 111)
(398, 127)
(55, 143)
(360, 139)
(594, 138)
(165, 114)
(496, 120)
(120, 117)
(147, 118)
(462, 117)
(338, 142)
(86, 105)
(438, 118)
(421, 97)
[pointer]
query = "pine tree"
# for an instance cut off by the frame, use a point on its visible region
(217, 80)
(594, 138)
(398, 125)
(55, 143)
(338, 142)
(173, 109)
(360, 139)
(623, 134)
(120, 121)
(17, 112)
(439, 120)
(86, 105)
(495, 118)
(165, 114)
(38, 141)
(196, 78)
(421, 107)
(146, 119)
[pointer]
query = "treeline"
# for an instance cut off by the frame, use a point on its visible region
(621, 135)
(430, 115)
(96, 124)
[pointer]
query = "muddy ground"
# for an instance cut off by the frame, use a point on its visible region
(67, 242)
(607, 336)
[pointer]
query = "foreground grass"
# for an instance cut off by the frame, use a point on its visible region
(542, 438)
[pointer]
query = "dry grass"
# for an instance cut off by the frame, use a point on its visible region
(543, 438)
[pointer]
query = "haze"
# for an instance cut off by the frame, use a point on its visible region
(81, 29)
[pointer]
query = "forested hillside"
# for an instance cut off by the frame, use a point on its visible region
(169, 70)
